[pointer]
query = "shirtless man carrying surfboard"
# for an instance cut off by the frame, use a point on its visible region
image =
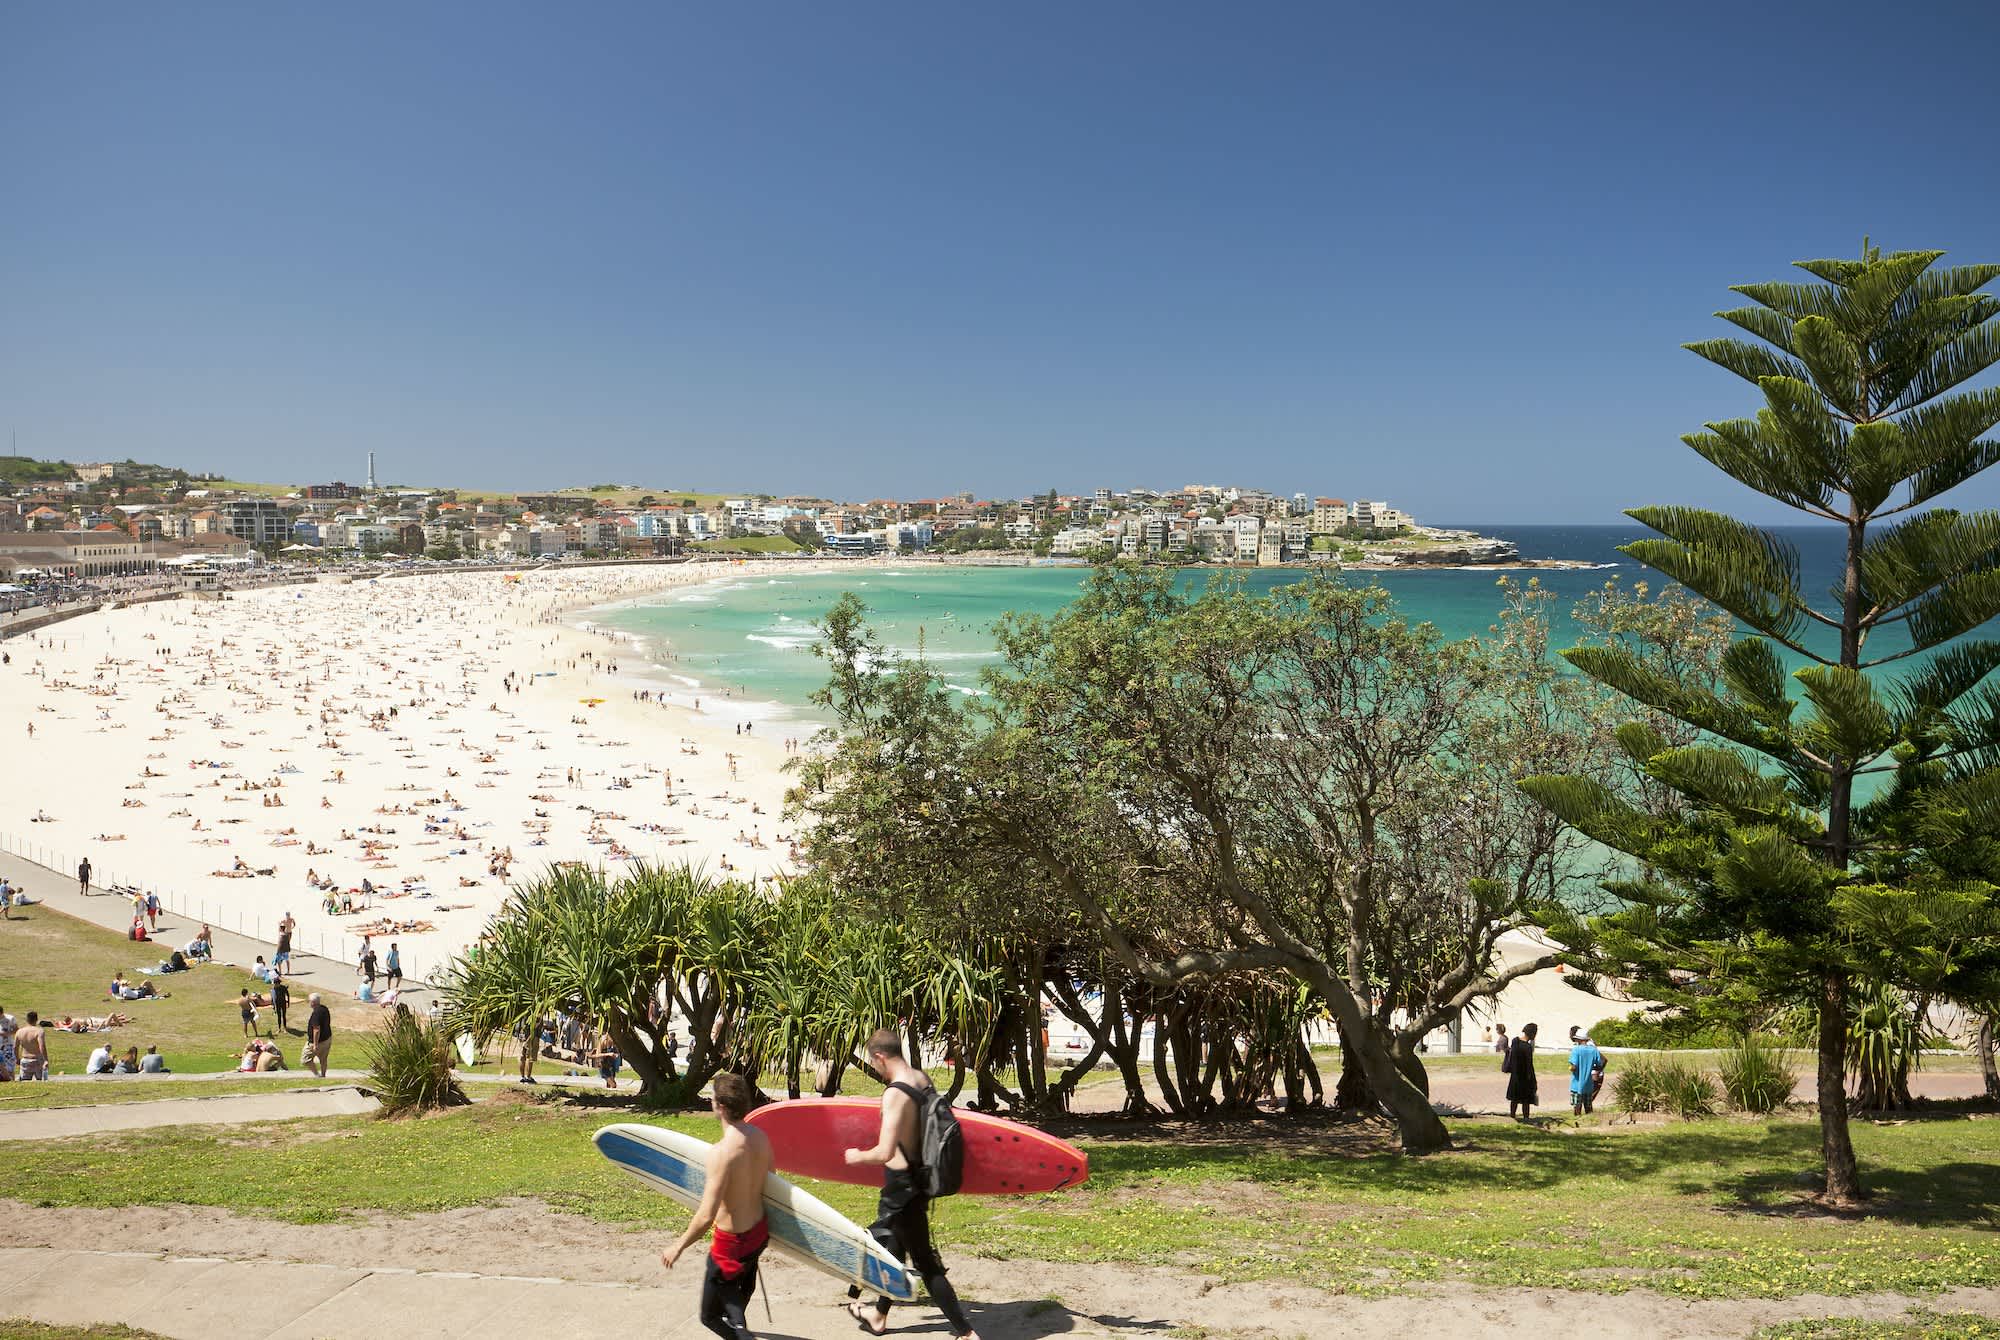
(732, 1203)
(903, 1215)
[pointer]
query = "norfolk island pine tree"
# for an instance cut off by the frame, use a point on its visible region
(1764, 863)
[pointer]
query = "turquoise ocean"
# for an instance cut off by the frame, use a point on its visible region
(743, 643)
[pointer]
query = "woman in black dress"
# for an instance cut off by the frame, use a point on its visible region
(1521, 1090)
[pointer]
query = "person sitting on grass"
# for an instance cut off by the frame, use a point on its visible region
(128, 1064)
(261, 1056)
(100, 1062)
(202, 947)
(152, 1063)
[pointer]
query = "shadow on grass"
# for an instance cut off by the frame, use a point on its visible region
(1924, 1178)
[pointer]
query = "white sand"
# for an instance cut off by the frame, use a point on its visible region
(211, 697)
(160, 731)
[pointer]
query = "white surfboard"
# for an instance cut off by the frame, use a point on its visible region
(468, 1050)
(803, 1226)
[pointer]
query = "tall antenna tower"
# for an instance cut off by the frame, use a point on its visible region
(371, 472)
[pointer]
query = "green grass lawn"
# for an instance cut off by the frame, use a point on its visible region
(1923, 1324)
(57, 965)
(1712, 1209)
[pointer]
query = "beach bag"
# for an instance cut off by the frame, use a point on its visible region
(942, 1168)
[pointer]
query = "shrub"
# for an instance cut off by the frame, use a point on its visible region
(409, 1065)
(1756, 1077)
(1664, 1084)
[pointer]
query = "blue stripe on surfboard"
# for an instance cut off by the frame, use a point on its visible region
(843, 1254)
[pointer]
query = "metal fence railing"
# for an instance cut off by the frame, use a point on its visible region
(214, 910)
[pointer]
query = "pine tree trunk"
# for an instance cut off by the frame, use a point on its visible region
(1986, 1064)
(1843, 1178)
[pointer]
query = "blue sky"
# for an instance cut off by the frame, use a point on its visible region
(1443, 254)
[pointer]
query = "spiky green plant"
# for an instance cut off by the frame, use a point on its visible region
(1756, 1077)
(410, 1064)
(1864, 421)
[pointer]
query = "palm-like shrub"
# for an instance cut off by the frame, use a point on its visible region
(410, 1065)
(1665, 1084)
(1882, 1045)
(1756, 1077)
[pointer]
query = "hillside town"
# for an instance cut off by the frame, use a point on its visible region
(111, 519)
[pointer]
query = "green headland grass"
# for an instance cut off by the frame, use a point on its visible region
(57, 965)
(1716, 1209)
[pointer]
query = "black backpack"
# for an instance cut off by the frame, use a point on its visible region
(941, 1169)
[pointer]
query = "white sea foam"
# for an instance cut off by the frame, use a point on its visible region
(782, 643)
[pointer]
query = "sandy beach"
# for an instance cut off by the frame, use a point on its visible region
(434, 736)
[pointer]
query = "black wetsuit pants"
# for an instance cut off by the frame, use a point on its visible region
(723, 1300)
(903, 1227)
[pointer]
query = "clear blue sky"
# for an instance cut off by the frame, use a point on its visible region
(1439, 254)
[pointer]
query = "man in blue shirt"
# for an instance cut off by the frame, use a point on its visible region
(1586, 1073)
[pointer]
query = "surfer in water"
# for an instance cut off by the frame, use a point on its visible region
(903, 1215)
(733, 1204)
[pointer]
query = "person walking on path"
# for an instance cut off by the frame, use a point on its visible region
(83, 876)
(281, 961)
(319, 1033)
(392, 968)
(732, 1203)
(1586, 1074)
(903, 1214)
(1520, 1067)
(153, 910)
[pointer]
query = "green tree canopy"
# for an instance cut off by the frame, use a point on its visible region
(1796, 822)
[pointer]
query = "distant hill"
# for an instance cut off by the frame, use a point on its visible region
(19, 470)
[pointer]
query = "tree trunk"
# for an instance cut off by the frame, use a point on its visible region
(1843, 1178)
(654, 1086)
(1352, 1092)
(1987, 1059)
(1125, 1051)
(1411, 1063)
(1161, 1073)
(1311, 1070)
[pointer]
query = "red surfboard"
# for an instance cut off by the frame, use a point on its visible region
(1002, 1158)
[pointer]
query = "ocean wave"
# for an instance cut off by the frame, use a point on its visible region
(933, 654)
(968, 692)
(782, 643)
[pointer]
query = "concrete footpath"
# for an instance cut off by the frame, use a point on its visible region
(57, 891)
(208, 1298)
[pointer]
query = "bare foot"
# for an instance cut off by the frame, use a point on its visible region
(870, 1319)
